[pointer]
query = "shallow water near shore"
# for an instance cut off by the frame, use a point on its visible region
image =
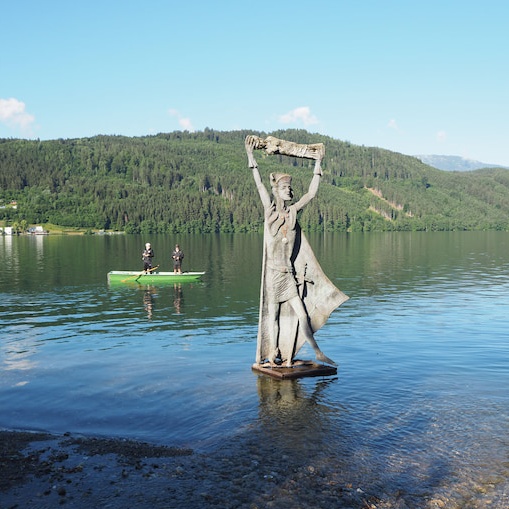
(420, 402)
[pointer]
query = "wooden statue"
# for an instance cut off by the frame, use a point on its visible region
(296, 297)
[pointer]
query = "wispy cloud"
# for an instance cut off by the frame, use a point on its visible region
(14, 114)
(184, 122)
(299, 115)
(441, 136)
(393, 124)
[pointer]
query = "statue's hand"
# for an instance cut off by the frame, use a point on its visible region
(251, 143)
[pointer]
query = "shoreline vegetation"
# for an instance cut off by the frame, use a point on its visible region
(53, 229)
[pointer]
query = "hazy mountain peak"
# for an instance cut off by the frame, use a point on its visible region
(455, 163)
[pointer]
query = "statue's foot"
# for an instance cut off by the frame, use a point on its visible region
(274, 362)
(323, 358)
(275, 358)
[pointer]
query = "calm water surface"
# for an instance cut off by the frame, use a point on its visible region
(421, 398)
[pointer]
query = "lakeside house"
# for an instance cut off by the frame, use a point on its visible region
(37, 230)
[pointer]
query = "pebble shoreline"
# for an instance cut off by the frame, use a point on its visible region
(47, 471)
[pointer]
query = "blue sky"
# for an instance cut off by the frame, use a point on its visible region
(413, 77)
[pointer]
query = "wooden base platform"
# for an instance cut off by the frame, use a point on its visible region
(300, 369)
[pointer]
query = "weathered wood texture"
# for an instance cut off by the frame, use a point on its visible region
(273, 145)
(298, 370)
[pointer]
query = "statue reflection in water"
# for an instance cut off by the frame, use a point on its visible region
(294, 416)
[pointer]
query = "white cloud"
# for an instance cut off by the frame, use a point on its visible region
(184, 122)
(299, 115)
(13, 114)
(393, 124)
(441, 136)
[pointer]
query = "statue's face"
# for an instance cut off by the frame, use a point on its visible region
(284, 191)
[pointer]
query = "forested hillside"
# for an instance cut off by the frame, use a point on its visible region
(200, 182)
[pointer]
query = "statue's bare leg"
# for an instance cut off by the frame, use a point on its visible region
(274, 332)
(298, 307)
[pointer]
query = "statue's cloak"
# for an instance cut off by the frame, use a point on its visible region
(319, 295)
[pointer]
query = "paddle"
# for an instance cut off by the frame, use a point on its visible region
(137, 276)
(143, 273)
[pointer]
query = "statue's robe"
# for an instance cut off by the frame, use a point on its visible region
(318, 294)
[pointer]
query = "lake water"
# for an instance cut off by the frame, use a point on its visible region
(421, 397)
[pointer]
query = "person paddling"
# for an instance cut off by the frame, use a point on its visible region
(146, 256)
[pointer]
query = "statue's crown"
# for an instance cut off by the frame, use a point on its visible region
(275, 178)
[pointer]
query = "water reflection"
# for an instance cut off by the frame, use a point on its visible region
(148, 300)
(9, 257)
(423, 344)
(178, 298)
(19, 360)
(19, 355)
(168, 294)
(294, 418)
(39, 246)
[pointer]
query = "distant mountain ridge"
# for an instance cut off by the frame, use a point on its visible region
(455, 163)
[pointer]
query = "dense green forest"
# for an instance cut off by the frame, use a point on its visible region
(199, 182)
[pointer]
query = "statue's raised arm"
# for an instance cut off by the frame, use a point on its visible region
(271, 146)
(253, 143)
